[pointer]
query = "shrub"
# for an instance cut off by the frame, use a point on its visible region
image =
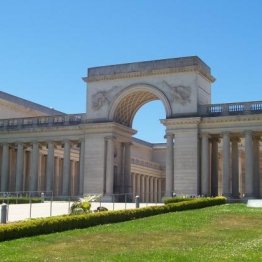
(61, 223)
(19, 200)
(80, 206)
(101, 209)
(172, 200)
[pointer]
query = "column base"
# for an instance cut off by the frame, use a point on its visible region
(249, 196)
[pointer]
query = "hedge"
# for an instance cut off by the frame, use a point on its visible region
(172, 200)
(19, 200)
(68, 222)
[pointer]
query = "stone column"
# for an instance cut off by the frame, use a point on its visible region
(58, 181)
(226, 164)
(19, 167)
(50, 170)
(110, 166)
(146, 188)
(138, 185)
(5, 168)
(73, 179)
(142, 194)
(134, 178)
(127, 167)
(155, 189)
(152, 189)
(249, 165)
(214, 167)
(159, 188)
(33, 173)
(256, 141)
(169, 164)
(205, 176)
(235, 168)
(66, 168)
(82, 167)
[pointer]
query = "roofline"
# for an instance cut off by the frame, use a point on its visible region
(30, 104)
(180, 64)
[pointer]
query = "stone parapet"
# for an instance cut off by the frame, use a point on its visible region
(182, 64)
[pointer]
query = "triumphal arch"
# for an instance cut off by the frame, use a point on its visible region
(210, 149)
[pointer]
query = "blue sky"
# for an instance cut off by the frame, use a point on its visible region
(46, 47)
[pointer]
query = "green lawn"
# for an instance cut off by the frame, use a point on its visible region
(222, 233)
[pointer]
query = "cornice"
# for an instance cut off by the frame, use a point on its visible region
(230, 119)
(194, 68)
(181, 121)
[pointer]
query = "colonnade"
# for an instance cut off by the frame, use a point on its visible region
(48, 166)
(149, 188)
(240, 164)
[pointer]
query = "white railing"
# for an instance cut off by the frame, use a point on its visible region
(42, 121)
(231, 109)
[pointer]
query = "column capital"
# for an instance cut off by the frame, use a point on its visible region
(18, 143)
(248, 132)
(128, 143)
(50, 141)
(110, 138)
(5, 143)
(257, 138)
(169, 135)
(235, 139)
(33, 142)
(215, 139)
(205, 134)
(82, 139)
(67, 141)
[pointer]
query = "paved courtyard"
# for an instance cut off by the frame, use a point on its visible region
(46, 209)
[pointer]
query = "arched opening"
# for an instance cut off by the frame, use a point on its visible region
(139, 107)
(134, 97)
(147, 122)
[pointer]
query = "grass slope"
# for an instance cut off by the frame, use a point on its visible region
(220, 233)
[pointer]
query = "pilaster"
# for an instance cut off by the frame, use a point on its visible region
(169, 164)
(205, 167)
(5, 167)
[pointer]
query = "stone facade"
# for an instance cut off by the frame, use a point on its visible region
(209, 150)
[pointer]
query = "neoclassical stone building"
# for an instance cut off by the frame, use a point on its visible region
(210, 149)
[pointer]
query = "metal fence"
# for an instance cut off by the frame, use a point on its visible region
(27, 205)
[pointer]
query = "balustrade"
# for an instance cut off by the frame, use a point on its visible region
(144, 163)
(49, 121)
(231, 109)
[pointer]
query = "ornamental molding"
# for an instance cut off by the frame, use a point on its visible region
(101, 98)
(194, 68)
(230, 119)
(178, 122)
(179, 94)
